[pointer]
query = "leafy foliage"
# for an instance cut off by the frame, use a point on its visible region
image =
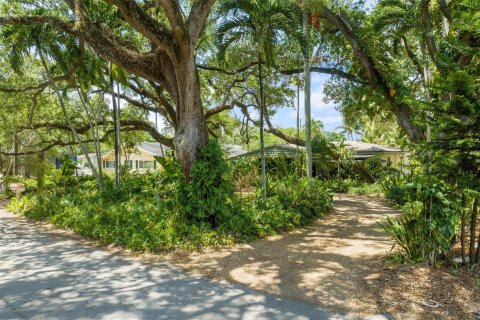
(208, 194)
(162, 211)
(431, 214)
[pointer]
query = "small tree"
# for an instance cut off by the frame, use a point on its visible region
(264, 23)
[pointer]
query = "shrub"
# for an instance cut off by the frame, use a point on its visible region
(161, 211)
(407, 231)
(244, 173)
(353, 186)
(207, 195)
(430, 216)
(308, 197)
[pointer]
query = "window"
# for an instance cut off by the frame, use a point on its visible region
(146, 164)
(109, 164)
(129, 164)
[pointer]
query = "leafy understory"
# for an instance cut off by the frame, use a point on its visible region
(162, 211)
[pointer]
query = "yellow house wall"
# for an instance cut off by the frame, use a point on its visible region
(396, 158)
(138, 154)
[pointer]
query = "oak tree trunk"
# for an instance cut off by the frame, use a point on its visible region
(191, 134)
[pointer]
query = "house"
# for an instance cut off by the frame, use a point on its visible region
(286, 150)
(288, 153)
(141, 159)
(233, 150)
(361, 151)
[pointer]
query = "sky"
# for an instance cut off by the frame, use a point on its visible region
(331, 118)
(326, 112)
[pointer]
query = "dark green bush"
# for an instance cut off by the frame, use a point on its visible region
(307, 197)
(161, 211)
(431, 213)
(207, 195)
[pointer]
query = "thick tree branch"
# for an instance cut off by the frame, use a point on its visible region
(412, 57)
(211, 112)
(113, 48)
(56, 23)
(127, 125)
(428, 33)
(197, 18)
(57, 143)
(145, 25)
(374, 77)
(445, 10)
(166, 105)
(174, 15)
(331, 71)
(227, 72)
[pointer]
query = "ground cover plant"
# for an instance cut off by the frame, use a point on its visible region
(162, 211)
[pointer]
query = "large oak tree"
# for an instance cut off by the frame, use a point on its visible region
(165, 55)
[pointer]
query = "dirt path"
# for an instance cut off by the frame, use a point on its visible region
(328, 264)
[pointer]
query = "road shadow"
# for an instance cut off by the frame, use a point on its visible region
(47, 275)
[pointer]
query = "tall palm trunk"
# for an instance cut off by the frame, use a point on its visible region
(308, 112)
(262, 139)
(473, 229)
(298, 129)
(119, 132)
(116, 127)
(15, 156)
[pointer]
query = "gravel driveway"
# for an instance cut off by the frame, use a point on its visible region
(331, 263)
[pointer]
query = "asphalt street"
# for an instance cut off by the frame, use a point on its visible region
(45, 274)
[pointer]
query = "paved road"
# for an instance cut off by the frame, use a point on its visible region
(47, 275)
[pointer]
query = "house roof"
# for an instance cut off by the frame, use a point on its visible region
(362, 147)
(154, 148)
(149, 147)
(233, 150)
(289, 149)
(282, 149)
(91, 155)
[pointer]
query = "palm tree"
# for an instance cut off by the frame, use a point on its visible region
(264, 23)
(317, 127)
(307, 97)
(348, 130)
(116, 125)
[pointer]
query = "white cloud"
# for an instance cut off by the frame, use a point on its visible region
(318, 103)
(331, 120)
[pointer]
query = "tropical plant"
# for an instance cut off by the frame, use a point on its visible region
(265, 24)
